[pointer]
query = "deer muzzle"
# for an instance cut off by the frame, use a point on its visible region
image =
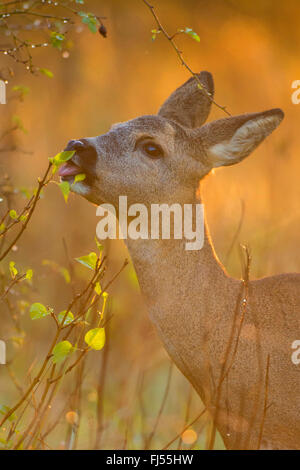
(83, 161)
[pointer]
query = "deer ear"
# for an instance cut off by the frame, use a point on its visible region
(228, 141)
(190, 105)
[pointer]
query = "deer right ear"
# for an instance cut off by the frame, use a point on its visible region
(190, 105)
(228, 141)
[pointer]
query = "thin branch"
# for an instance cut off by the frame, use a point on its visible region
(180, 56)
(13, 282)
(100, 390)
(162, 406)
(265, 403)
(184, 429)
(42, 183)
(187, 413)
(237, 232)
(226, 369)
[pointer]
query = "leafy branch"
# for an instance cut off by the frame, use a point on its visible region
(170, 38)
(46, 17)
(31, 206)
(60, 352)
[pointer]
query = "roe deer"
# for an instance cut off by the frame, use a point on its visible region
(231, 339)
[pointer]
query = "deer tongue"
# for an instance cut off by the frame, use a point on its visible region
(69, 169)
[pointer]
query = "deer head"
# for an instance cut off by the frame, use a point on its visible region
(161, 158)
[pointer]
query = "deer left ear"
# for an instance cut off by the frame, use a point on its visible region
(190, 105)
(228, 141)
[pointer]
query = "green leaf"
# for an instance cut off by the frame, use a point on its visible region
(38, 310)
(57, 39)
(69, 318)
(23, 217)
(89, 261)
(61, 158)
(29, 274)
(98, 289)
(79, 177)
(90, 20)
(46, 72)
(13, 215)
(99, 246)
(61, 351)
(154, 33)
(2, 227)
(65, 189)
(192, 33)
(95, 338)
(65, 319)
(13, 269)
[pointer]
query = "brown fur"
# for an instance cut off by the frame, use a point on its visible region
(196, 307)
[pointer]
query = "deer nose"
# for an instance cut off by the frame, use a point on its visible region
(75, 145)
(86, 152)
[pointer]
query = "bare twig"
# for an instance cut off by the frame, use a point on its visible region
(100, 392)
(237, 232)
(162, 406)
(13, 282)
(265, 403)
(187, 413)
(225, 367)
(184, 429)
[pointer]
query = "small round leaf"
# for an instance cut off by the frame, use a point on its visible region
(61, 351)
(38, 310)
(95, 338)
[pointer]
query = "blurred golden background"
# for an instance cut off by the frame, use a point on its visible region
(252, 50)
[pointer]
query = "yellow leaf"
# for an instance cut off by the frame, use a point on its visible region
(95, 338)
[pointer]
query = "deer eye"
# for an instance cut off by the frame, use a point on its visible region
(152, 150)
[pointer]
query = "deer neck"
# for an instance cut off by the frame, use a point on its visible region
(172, 279)
(183, 290)
(191, 300)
